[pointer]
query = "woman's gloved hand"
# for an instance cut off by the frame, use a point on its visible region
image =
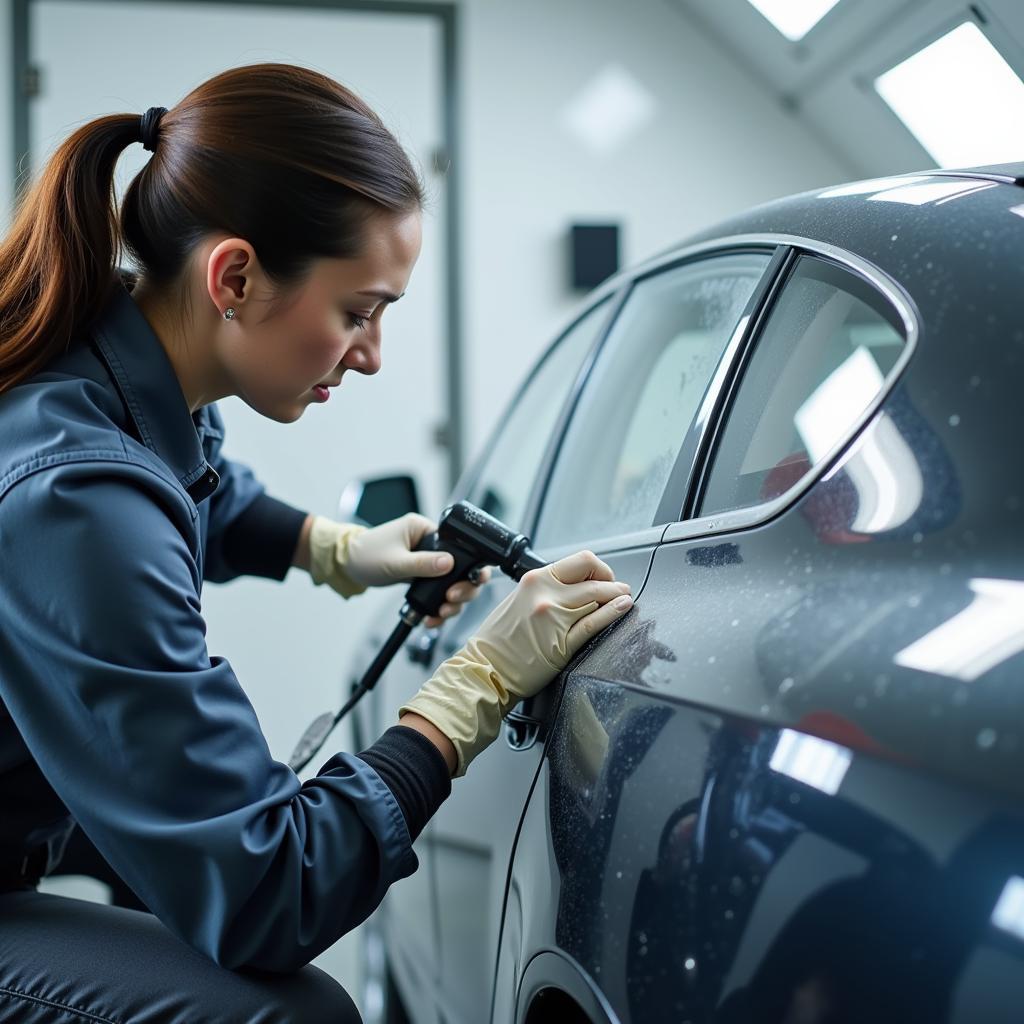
(520, 647)
(349, 558)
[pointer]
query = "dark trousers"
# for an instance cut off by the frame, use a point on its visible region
(68, 961)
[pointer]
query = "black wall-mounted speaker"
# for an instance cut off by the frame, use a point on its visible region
(594, 253)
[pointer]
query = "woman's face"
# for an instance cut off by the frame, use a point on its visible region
(331, 324)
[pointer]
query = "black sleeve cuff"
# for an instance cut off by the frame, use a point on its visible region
(261, 541)
(414, 770)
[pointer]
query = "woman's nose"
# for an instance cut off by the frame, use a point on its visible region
(364, 357)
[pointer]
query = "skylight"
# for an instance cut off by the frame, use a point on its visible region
(960, 99)
(794, 18)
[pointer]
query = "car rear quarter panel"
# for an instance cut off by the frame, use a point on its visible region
(691, 882)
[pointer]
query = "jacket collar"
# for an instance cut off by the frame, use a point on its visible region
(151, 392)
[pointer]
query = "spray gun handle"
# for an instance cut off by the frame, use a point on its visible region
(474, 539)
(428, 594)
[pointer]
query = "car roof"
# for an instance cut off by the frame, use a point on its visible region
(1011, 174)
(804, 210)
(914, 226)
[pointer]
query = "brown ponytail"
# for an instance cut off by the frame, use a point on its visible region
(280, 155)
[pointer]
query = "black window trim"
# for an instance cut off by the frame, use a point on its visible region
(617, 296)
(755, 515)
(470, 478)
(679, 492)
(627, 281)
(701, 434)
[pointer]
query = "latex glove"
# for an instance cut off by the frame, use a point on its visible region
(520, 647)
(349, 558)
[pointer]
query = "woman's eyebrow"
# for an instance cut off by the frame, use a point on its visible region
(386, 296)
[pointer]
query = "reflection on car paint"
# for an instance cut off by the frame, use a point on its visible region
(981, 636)
(720, 870)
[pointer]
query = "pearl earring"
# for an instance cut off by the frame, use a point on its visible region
(229, 313)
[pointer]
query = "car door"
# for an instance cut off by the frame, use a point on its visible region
(607, 486)
(458, 881)
(722, 829)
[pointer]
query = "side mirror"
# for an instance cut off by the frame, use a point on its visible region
(372, 502)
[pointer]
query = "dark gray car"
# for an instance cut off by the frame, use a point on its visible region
(787, 787)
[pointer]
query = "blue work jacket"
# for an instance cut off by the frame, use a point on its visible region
(116, 503)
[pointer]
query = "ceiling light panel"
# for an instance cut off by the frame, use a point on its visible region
(794, 18)
(960, 99)
(610, 109)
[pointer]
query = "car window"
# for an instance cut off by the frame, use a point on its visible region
(824, 354)
(503, 483)
(646, 387)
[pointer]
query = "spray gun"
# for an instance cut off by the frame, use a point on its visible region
(474, 539)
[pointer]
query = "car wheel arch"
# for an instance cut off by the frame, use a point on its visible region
(556, 988)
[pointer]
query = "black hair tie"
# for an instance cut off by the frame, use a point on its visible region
(149, 123)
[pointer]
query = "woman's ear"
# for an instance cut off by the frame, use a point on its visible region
(232, 274)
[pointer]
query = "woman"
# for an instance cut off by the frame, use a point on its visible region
(273, 225)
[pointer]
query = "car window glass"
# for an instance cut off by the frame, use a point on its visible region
(503, 484)
(822, 358)
(646, 387)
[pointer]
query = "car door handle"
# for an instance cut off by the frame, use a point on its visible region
(522, 727)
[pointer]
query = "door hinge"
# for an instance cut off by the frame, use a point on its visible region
(32, 81)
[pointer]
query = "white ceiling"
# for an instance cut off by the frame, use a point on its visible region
(826, 79)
